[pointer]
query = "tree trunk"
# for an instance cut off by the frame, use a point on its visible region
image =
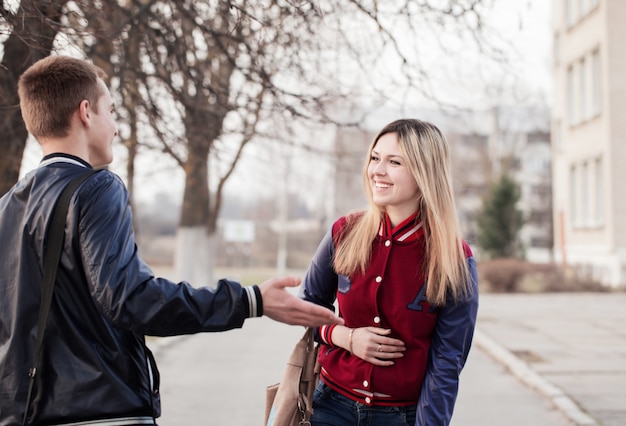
(192, 261)
(31, 39)
(192, 246)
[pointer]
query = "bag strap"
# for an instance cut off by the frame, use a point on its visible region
(51, 262)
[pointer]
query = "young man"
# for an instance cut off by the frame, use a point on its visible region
(95, 367)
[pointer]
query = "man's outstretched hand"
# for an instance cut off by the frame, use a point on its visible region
(282, 306)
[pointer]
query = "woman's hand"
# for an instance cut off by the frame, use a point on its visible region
(372, 345)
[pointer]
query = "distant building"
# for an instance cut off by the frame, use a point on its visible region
(533, 172)
(589, 137)
(515, 140)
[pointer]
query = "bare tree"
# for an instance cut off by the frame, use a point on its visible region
(216, 66)
(30, 31)
(200, 81)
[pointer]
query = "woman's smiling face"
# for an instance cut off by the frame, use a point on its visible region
(392, 184)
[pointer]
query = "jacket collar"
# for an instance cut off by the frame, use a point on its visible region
(410, 229)
(61, 157)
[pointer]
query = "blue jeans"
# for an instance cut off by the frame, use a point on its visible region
(333, 409)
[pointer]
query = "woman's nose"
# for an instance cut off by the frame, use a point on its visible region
(379, 169)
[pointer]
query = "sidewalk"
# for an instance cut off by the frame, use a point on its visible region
(570, 347)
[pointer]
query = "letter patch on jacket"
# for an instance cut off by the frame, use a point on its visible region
(416, 304)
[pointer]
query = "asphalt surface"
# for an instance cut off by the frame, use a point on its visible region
(540, 359)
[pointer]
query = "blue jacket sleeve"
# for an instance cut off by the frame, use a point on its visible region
(449, 349)
(320, 282)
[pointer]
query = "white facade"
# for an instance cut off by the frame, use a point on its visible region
(589, 137)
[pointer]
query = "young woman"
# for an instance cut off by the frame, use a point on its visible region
(405, 283)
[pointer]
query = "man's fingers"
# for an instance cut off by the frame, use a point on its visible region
(320, 314)
(295, 311)
(287, 281)
(293, 281)
(281, 305)
(309, 320)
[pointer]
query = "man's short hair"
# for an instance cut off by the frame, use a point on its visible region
(51, 90)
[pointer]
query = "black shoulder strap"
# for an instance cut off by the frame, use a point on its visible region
(51, 262)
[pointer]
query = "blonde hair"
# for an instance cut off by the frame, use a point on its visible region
(426, 152)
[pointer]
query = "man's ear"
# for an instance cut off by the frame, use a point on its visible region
(84, 112)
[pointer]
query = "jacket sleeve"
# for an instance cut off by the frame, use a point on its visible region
(449, 349)
(320, 282)
(123, 287)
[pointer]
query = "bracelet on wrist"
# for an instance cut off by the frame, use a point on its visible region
(350, 340)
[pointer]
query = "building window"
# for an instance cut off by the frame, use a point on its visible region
(576, 10)
(585, 201)
(573, 191)
(582, 95)
(571, 96)
(596, 86)
(540, 195)
(599, 193)
(540, 242)
(584, 88)
(587, 194)
(556, 48)
(570, 17)
(589, 6)
(538, 218)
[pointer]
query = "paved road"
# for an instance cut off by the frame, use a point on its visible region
(219, 380)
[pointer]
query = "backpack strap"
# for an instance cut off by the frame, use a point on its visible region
(52, 256)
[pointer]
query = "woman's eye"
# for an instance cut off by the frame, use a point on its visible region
(373, 158)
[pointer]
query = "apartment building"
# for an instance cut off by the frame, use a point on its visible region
(589, 138)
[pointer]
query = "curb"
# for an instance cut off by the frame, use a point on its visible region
(531, 378)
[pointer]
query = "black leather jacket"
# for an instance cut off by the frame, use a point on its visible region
(95, 364)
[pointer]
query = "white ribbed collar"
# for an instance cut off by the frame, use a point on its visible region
(61, 158)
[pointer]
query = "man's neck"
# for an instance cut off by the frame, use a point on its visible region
(65, 146)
